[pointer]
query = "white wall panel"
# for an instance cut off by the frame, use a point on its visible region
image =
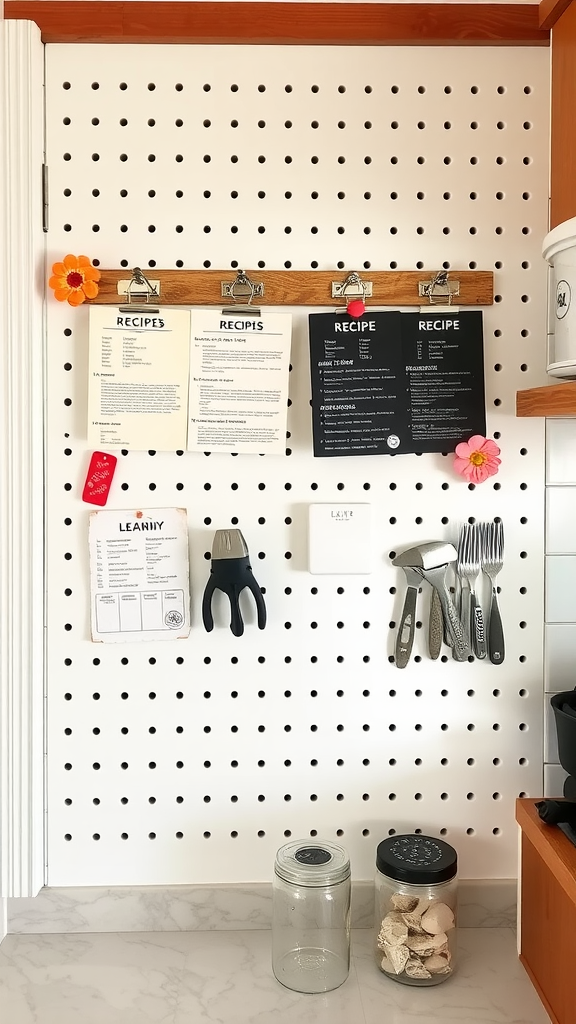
(550, 737)
(560, 592)
(561, 451)
(554, 777)
(296, 157)
(560, 645)
(561, 520)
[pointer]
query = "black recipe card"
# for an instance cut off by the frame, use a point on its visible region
(391, 382)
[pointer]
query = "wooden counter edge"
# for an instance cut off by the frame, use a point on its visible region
(555, 849)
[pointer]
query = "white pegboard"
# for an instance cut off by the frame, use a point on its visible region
(193, 761)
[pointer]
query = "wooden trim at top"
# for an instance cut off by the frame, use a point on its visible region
(550, 11)
(230, 21)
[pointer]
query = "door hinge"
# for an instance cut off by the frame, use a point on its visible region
(45, 197)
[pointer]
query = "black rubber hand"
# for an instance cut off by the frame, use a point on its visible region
(207, 604)
(231, 576)
(236, 620)
(259, 599)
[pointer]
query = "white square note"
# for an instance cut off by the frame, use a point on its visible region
(339, 538)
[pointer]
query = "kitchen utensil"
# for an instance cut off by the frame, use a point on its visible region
(435, 626)
(469, 567)
(462, 574)
(492, 558)
(477, 626)
(432, 562)
(405, 635)
(231, 572)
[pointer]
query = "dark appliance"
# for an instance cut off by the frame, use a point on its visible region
(563, 812)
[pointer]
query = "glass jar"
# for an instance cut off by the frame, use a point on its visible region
(311, 916)
(416, 890)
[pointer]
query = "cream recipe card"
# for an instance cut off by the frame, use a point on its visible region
(239, 365)
(138, 378)
(139, 586)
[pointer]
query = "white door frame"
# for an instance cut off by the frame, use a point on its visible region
(22, 283)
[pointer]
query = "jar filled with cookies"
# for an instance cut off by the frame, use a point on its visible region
(416, 894)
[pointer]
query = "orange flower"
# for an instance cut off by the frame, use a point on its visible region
(74, 280)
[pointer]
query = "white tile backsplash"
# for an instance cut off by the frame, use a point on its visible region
(560, 664)
(560, 520)
(561, 451)
(560, 588)
(554, 776)
(550, 737)
(560, 614)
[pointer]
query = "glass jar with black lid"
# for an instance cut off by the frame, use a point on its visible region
(416, 893)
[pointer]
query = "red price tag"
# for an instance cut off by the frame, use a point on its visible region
(99, 478)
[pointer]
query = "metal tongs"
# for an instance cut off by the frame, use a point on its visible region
(231, 572)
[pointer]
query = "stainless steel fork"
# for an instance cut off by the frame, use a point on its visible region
(471, 608)
(463, 576)
(492, 558)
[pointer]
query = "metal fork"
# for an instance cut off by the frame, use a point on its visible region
(469, 568)
(463, 576)
(492, 558)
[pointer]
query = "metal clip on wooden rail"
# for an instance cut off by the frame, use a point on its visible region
(439, 290)
(355, 291)
(242, 288)
(139, 287)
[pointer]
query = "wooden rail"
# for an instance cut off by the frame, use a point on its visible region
(298, 288)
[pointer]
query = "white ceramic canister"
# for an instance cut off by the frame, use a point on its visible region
(559, 249)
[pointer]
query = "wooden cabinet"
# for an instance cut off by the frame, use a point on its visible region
(563, 139)
(560, 16)
(547, 912)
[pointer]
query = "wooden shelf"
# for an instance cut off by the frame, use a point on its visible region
(298, 288)
(551, 400)
(562, 141)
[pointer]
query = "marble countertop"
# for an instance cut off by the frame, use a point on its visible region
(224, 977)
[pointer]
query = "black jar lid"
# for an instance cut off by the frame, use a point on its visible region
(418, 859)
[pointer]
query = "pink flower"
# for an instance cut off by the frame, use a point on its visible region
(477, 459)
